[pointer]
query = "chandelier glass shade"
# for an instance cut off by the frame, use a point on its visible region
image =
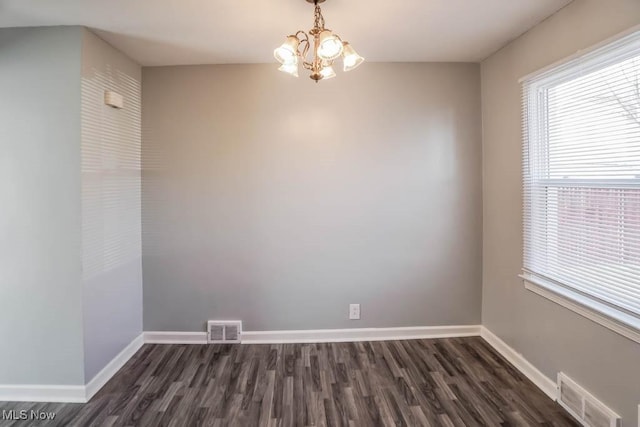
(327, 48)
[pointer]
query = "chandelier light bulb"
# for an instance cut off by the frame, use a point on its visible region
(287, 53)
(290, 69)
(327, 72)
(350, 57)
(330, 46)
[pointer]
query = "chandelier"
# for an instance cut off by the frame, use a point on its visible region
(327, 47)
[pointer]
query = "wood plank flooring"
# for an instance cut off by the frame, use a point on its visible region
(442, 382)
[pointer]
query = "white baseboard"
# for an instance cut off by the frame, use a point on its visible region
(160, 337)
(70, 393)
(363, 334)
(544, 383)
(43, 393)
(321, 335)
(113, 367)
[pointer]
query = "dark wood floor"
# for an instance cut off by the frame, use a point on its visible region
(443, 382)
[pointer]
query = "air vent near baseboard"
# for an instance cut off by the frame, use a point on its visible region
(224, 331)
(583, 406)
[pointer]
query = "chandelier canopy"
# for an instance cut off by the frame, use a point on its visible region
(327, 47)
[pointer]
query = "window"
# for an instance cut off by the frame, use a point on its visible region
(582, 179)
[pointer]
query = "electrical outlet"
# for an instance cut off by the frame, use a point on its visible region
(354, 311)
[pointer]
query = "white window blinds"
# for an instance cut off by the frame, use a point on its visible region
(582, 175)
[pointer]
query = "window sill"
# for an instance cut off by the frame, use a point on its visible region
(619, 322)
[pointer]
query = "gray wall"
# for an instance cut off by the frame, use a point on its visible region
(111, 204)
(279, 201)
(40, 243)
(549, 336)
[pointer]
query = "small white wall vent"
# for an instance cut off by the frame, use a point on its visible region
(224, 331)
(113, 99)
(583, 406)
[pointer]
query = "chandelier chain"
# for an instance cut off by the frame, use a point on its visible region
(318, 19)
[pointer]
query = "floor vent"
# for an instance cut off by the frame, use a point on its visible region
(224, 331)
(583, 406)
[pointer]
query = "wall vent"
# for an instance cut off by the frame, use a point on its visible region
(583, 406)
(224, 331)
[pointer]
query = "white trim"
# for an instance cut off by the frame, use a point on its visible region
(71, 393)
(615, 320)
(544, 383)
(362, 334)
(161, 337)
(579, 54)
(43, 393)
(321, 335)
(113, 367)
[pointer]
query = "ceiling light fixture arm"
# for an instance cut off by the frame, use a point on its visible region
(303, 47)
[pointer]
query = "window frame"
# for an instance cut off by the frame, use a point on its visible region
(625, 45)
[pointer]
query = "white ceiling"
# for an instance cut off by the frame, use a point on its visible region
(172, 32)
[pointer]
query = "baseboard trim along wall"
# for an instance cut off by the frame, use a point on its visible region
(363, 334)
(159, 337)
(322, 335)
(71, 393)
(544, 383)
(43, 393)
(113, 367)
